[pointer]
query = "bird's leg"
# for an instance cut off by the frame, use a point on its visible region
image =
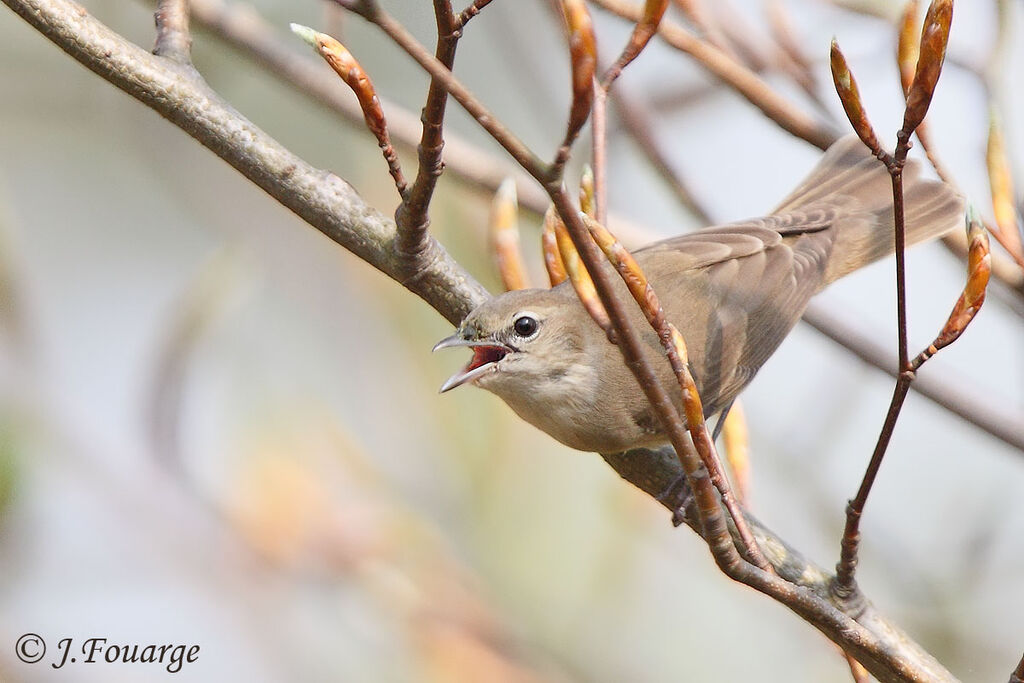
(677, 497)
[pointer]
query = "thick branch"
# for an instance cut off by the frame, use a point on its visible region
(319, 197)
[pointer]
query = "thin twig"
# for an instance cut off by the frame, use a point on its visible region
(637, 123)
(412, 217)
(993, 418)
(523, 155)
(172, 36)
(471, 11)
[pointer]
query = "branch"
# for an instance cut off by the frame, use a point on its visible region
(172, 37)
(412, 217)
(322, 199)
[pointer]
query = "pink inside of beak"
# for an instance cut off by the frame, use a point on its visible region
(482, 355)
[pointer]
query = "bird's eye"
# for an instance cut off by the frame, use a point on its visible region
(525, 326)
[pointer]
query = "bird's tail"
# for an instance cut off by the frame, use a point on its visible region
(851, 181)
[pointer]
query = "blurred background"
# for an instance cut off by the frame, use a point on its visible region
(219, 428)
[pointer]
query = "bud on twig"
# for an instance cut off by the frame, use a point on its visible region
(736, 440)
(583, 60)
(849, 95)
(979, 268)
(908, 48)
(1000, 181)
(644, 30)
(346, 66)
(934, 38)
(588, 198)
(552, 256)
(577, 272)
(504, 225)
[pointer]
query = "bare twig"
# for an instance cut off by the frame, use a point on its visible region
(637, 122)
(932, 53)
(412, 218)
(991, 417)
(172, 36)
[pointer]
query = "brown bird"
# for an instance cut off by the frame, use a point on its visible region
(734, 291)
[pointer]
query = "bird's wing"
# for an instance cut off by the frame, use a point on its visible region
(735, 291)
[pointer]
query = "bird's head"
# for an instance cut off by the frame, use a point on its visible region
(524, 342)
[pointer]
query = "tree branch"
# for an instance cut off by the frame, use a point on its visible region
(172, 37)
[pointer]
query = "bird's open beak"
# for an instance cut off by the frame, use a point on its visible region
(486, 355)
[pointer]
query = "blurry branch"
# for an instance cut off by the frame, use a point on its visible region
(638, 123)
(737, 76)
(319, 197)
(954, 394)
(197, 309)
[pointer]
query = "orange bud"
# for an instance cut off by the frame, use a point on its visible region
(979, 268)
(849, 95)
(1000, 181)
(552, 257)
(352, 73)
(934, 38)
(908, 48)
(583, 60)
(577, 272)
(736, 440)
(504, 224)
(588, 201)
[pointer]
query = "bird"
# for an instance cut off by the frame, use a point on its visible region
(734, 291)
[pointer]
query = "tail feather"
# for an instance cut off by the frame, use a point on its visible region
(850, 179)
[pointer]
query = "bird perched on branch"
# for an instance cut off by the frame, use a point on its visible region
(734, 292)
